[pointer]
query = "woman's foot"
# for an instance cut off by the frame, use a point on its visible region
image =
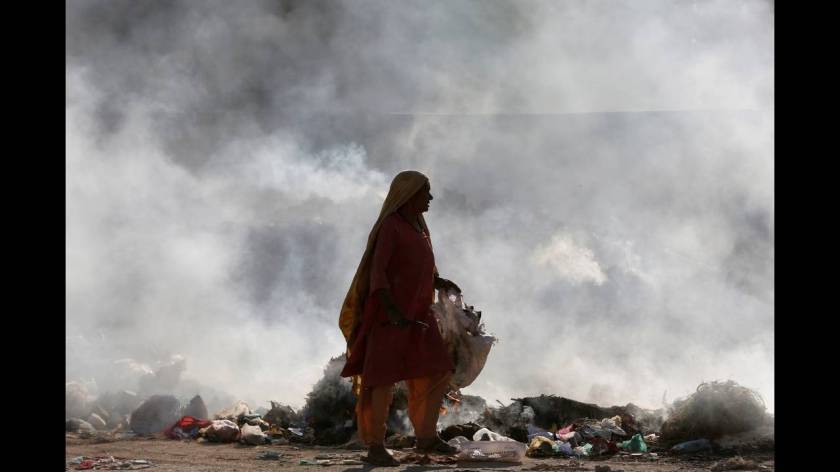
(378, 455)
(435, 444)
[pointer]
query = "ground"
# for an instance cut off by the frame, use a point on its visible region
(173, 455)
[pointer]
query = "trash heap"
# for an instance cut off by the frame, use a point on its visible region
(550, 426)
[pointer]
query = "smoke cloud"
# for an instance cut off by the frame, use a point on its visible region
(602, 173)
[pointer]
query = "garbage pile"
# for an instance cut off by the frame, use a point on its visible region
(550, 426)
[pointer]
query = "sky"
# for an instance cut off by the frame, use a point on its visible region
(602, 174)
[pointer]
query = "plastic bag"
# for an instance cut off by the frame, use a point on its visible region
(252, 435)
(634, 444)
(464, 337)
(491, 436)
(492, 451)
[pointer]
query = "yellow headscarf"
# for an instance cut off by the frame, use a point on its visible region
(403, 187)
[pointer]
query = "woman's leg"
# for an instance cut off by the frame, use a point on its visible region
(425, 396)
(371, 413)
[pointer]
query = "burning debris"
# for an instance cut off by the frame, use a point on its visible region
(716, 409)
(330, 406)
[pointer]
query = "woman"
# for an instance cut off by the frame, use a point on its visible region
(391, 334)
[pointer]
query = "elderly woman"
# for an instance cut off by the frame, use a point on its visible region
(391, 334)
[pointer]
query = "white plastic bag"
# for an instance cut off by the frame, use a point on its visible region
(492, 451)
(464, 338)
(252, 435)
(492, 436)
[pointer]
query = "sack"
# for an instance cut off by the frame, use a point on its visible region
(221, 431)
(464, 337)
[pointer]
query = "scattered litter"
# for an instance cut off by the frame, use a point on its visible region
(109, 463)
(269, 455)
(606, 468)
(423, 459)
(735, 463)
(399, 441)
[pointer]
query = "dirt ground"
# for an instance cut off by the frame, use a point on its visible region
(172, 455)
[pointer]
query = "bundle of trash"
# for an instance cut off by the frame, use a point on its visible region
(463, 333)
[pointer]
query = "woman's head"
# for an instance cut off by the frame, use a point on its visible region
(419, 202)
(411, 188)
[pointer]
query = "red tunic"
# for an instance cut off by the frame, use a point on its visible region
(384, 354)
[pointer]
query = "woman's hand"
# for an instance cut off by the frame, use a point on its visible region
(396, 316)
(446, 284)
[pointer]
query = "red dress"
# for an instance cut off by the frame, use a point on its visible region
(382, 353)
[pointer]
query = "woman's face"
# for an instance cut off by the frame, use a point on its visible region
(420, 201)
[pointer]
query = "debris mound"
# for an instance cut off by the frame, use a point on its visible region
(714, 410)
(330, 406)
(155, 414)
(196, 408)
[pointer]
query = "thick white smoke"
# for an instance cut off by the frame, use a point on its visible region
(602, 173)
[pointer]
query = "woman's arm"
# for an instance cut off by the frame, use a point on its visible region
(394, 313)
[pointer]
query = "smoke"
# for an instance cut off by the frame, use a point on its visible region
(602, 173)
